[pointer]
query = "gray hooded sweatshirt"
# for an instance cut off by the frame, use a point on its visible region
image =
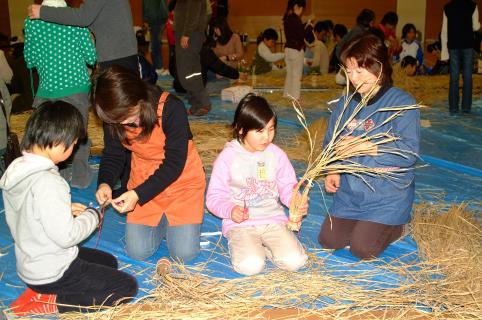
(39, 214)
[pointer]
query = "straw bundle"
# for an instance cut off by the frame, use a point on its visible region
(335, 157)
(405, 291)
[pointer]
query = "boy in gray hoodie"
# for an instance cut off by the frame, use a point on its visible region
(47, 227)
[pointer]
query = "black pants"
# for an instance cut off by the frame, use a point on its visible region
(91, 280)
(366, 239)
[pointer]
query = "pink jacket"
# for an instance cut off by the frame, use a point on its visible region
(258, 180)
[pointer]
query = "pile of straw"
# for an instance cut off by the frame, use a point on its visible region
(445, 285)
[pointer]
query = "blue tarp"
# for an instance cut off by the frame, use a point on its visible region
(451, 147)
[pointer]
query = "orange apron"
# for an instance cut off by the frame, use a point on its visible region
(183, 200)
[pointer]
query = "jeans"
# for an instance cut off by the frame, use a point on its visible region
(91, 279)
(182, 241)
(156, 45)
(461, 59)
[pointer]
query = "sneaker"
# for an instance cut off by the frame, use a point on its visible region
(199, 112)
(161, 72)
(165, 73)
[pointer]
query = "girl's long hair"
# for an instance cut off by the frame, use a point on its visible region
(116, 94)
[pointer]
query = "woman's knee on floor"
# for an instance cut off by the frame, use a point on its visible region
(183, 252)
(138, 252)
(364, 251)
(329, 240)
(249, 266)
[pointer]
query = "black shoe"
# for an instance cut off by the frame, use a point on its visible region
(466, 111)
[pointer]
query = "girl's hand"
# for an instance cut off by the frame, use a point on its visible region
(332, 183)
(103, 194)
(239, 214)
(352, 144)
(125, 202)
(77, 209)
(303, 208)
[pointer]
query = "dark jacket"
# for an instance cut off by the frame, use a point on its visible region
(190, 16)
(459, 24)
(294, 32)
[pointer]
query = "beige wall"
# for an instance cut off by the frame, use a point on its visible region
(411, 11)
(18, 13)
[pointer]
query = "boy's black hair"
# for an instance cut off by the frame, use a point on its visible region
(365, 17)
(253, 113)
(390, 18)
(270, 34)
(408, 61)
(53, 123)
(322, 26)
(407, 28)
(339, 30)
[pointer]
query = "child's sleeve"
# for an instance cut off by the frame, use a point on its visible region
(285, 178)
(419, 55)
(55, 214)
(269, 56)
(218, 195)
(407, 128)
(28, 50)
(88, 48)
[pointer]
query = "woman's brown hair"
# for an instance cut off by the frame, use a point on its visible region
(116, 93)
(371, 53)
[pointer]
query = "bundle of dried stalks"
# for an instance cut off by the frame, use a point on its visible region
(450, 243)
(209, 139)
(334, 158)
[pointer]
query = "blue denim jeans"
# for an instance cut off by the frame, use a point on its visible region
(156, 45)
(182, 241)
(461, 60)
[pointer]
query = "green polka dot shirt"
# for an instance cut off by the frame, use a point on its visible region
(60, 54)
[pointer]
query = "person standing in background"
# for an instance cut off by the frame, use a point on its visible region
(460, 20)
(155, 14)
(190, 22)
(294, 48)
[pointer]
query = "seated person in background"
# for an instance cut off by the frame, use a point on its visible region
(309, 54)
(339, 31)
(264, 56)
(330, 41)
(409, 65)
(411, 46)
(211, 62)
(227, 45)
(321, 59)
(147, 70)
(388, 25)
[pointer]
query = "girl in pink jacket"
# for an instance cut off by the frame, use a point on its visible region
(251, 181)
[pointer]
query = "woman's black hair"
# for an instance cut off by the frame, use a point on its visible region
(291, 5)
(53, 123)
(253, 113)
(390, 18)
(117, 91)
(365, 18)
(370, 52)
(407, 28)
(226, 33)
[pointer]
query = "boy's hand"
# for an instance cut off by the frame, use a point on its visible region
(239, 214)
(103, 194)
(184, 42)
(332, 183)
(33, 11)
(351, 144)
(126, 202)
(78, 209)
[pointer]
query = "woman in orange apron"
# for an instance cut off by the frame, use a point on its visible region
(165, 197)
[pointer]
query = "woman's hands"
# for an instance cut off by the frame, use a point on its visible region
(126, 202)
(103, 194)
(239, 214)
(332, 183)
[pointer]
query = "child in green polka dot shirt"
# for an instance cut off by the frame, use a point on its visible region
(61, 54)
